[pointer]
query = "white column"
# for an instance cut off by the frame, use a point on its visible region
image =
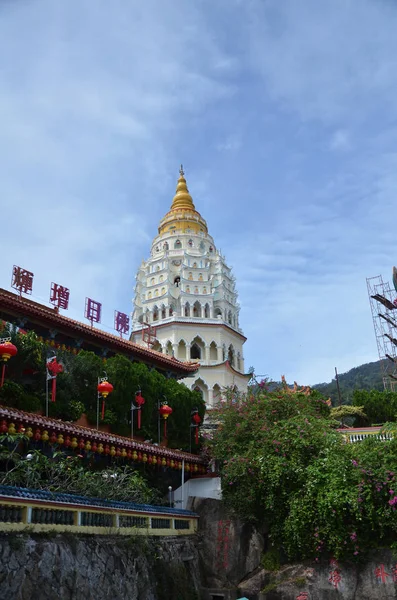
(220, 353)
(207, 354)
(187, 352)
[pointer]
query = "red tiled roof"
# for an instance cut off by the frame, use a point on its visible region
(14, 305)
(19, 417)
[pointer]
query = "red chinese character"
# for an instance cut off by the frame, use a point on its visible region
(22, 280)
(303, 596)
(394, 571)
(93, 310)
(381, 574)
(335, 578)
(333, 563)
(121, 322)
(59, 296)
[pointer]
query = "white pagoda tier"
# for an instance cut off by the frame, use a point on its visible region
(186, 301)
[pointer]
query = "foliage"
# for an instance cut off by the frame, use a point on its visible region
(282, 463)
(346, 413)
(70, 474)
(365, 377)
(24, 388)
(380, 407)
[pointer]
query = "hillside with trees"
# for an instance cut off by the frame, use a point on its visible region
(364, 377)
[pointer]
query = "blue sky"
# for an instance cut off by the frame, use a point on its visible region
(284, 115)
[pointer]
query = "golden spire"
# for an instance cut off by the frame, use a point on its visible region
(182, 198)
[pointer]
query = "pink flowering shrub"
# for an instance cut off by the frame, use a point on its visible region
(282, 463)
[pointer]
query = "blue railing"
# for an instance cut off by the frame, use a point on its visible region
(44, 495)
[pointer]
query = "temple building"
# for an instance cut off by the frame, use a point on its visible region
(186, 301)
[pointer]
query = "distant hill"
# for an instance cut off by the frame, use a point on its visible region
(364, 377)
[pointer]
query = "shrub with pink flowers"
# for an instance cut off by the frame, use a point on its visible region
(283, 464)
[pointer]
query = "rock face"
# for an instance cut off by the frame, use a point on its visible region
(229, 549)
(70, 567)
(374, 579)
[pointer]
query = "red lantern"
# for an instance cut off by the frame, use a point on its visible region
(37, 435)
(165, 412)
(107, 449)
(67, 441)
(118, 452)
(53, 437)
(94, 447)
(54, 368)
(3, 427)
(7, 350)
(197, 421)
(140, 400)
(104, 388)
(81, 444)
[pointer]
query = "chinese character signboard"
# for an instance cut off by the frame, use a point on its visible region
(93, 311)
(22, 280)
(59, 296)
(381, 574)
(121, 322)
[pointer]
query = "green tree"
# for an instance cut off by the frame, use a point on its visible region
(380, 407)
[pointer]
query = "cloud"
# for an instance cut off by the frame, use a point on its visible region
(99, 108)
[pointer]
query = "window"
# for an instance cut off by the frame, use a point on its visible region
(188, 289)
(190, 243)
(196, 290)
(194, 265)
(156, 293)
(165, 246)
(204, 290)
(163, 313)
(177, 281)
(211, 249)
(178, 244)
(161, 278)
(201, 277)
(162, 290)
(152, 281)
(190, 277)
(149, 295)
(195, 352)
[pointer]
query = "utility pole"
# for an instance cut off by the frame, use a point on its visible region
(337, 385)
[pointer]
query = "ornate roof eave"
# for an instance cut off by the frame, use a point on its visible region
(195, 322)
(40, 316)
(19, 417)
(227, 364)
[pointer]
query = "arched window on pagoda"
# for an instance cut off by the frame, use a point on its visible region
(177, 281)
(187, 309)
(211, 249)
(163, 312)
(155, 313)
(206, 308)
(200, 277)
(178, 244)
(190, 276)
(195, 352)
(165, 246)
(190, 243)
(197, 309)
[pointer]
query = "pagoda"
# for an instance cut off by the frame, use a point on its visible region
(185, 301)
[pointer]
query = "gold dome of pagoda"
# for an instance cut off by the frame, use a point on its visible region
(182, 216)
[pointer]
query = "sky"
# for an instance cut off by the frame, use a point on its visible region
(284, 116)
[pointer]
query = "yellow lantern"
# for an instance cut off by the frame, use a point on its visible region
(163, 462)
(154, 460)
(123, 452)
(29, 432)
(88, 446)
(144, 458)
(135, 455)
(100, 448)
(11, 428)
(73, 443)
(45, 436)
(60, 439)
(172, 463)
(112, 450)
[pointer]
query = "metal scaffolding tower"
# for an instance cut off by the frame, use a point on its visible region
(383, 302)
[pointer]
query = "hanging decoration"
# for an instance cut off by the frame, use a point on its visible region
(197, 420)
(140, 400)
(7, 351)
(165, 412)
(104, 388)
(53, 369)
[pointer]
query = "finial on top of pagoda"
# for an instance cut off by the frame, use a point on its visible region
(182, 198)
